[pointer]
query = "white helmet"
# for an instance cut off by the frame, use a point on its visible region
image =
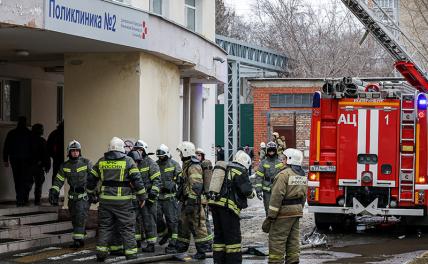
(263, 145)
(186, 148)
(162, 151)
(242, 158)
(293, 156)
(200, 151)
(275, 134)
(116, 144)
(139, 144)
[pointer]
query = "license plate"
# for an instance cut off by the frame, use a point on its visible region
(322, 168)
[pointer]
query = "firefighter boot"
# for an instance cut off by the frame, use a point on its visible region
(77, 243)
(170, 249)
(199, 255)
(150, 248)
(163, 240)
(101, 257)
(132, 256)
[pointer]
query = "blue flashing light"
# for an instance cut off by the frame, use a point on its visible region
(422, 102)
(316, 102)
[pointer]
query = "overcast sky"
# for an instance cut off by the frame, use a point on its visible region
(243, 7)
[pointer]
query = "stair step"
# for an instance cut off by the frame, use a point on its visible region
(27, 218)
(30, 230)
(22, 210)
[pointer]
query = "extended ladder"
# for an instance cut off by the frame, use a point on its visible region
(404, 62)
(407, 147)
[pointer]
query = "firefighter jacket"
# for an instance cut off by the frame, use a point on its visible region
(191, 182)
(169, 173)
(118, 174)
(281, 145)
(150, 175)
(288, 193)
(236, 189)
(77, 173)
(207, 172)
(266, 172)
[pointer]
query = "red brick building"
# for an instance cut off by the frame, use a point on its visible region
(283, 106)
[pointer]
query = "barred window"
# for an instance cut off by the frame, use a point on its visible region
(291, 100)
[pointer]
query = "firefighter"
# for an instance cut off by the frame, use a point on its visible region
(192, 215)
(226, 207)
(262, 152)
(266, 172)
(119, 177)
(207, 169)
(167, 204)
(76, 170)
(285, 210)
(279, 143)
(150, 174)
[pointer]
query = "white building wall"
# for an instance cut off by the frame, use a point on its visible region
(208, 122)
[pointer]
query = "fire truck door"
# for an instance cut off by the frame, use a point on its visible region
(367, 146)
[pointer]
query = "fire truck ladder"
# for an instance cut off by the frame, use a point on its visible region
(404, 62)
(407, 145)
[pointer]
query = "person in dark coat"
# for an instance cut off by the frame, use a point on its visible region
(56, 148)
(220, 153)
(41, 162)
(17, 153)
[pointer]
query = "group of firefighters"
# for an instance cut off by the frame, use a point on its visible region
(142, 200)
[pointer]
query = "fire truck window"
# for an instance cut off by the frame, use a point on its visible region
(386, 169)
(367, 158)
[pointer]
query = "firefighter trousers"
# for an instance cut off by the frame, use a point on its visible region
(167, 219)
(227, 236)
(148, 213)
(112, 216)
(284, 237)
(138, 221)
(193, 224)
(266, 200)
(78, 209)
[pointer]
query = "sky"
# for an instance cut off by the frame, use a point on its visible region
(243, 7)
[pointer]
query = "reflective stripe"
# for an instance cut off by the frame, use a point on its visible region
(82, 168)
(66, 169)
(275, 257)
(236, 171)
(102, 249)
(187, 241)
(279, 165)
(79, 196)
(233, 248)
(226, 202)
(78, 235)
(151, 239)
(267, 166)
(138, 236)
(258, 185)
(273, 208)
(260, 173)
(154, 176)
(133, 170)
(59, 177)
(174, 236)
(155, 188)
(94, 173)
(55, 188)
(131, 251)
(116, 248)
(265, 188)
(119, 198)
(142, 191)
(191, 196)
(168, 195)
(197, 176)
(219, 247)
(169, 169)
(145, 169)
(204, 239)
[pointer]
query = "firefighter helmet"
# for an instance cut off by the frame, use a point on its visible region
(275, 134)
(262, 145)
(116, 144)
(162, 151)
(293, 156)
(186, 148)
(271, 146)
(141, 145)
(200, 151)
(74, 144)
(242, 158)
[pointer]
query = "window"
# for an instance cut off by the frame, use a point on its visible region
(291, 100)
(15, 100)
(190, 13)
(156, 6)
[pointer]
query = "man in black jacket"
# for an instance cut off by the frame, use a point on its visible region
(17, 153)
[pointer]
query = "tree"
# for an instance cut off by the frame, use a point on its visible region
(322, 42)
(229, 24)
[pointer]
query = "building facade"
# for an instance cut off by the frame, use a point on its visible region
(134, 69)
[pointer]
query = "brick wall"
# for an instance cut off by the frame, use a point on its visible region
(262, 131)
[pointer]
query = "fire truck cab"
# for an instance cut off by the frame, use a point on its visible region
(368, 153)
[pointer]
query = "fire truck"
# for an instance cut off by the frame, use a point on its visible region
(369, 143)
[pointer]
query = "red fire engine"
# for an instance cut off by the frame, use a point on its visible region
(369, 147)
